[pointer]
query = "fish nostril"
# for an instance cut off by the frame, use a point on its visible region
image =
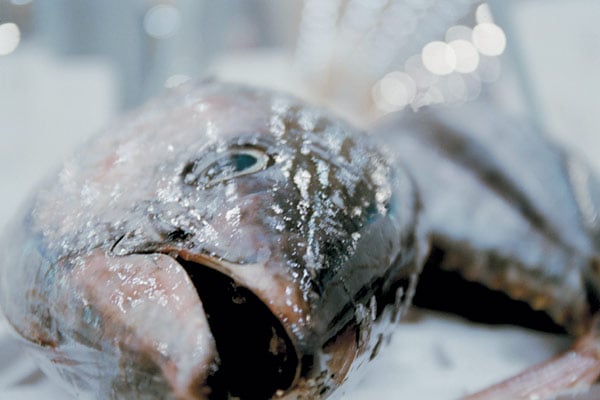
(256, 354)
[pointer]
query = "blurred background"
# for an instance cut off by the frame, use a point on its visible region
(67, 67)
(70, 65)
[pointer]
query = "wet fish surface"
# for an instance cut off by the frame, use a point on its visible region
(220, 242)
(504, 206)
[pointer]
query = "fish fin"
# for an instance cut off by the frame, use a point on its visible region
(574, 371)
(590, 393)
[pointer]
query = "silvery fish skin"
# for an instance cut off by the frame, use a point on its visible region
(220, 242)
(505, 206)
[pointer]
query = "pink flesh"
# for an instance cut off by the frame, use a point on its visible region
(153, 308)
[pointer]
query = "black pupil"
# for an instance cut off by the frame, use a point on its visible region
(230, 165)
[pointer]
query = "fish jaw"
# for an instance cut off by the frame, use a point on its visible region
(140, 317)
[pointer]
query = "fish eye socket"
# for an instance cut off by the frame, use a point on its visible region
(231, 165)
(227, 165)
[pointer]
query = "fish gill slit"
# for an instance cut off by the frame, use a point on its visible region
(492, 291)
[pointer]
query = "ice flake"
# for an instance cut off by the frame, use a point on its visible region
(383, 190)
(334, 138)
(323, 173)
(382, 196)
(233, 216)
(280, 158)
(302, 181)
(286, 165)
(308, 119)
(231, 191)
(208, 233)
(305, 149)
(211, 130)
(277, 126)
(337, 199)
(311, 256)
(347, 179)
(89, 194)
(168, 190)
(358, 157)
(163, 348)
(280, 105)
(126, 152)
(201, 107)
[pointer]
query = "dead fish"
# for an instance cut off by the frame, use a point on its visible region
(508, 209)
(230, 242)
(221, 242)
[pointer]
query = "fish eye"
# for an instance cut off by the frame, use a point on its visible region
(228, 165)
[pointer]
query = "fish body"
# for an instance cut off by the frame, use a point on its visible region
(504, 206)
(220, 242)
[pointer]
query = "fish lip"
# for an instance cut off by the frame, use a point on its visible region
(211, 261)
(133, 321)
(227, 268)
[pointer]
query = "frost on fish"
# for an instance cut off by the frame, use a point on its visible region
(503, 207)
(221, 241)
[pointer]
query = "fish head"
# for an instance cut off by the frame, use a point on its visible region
(287, 234)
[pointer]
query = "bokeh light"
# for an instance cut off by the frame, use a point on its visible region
(162, 21)
(489, 39)
(398, 89)
(467, 57)
(483, 14)
(452, 68)
(10, 36)
(438, 57)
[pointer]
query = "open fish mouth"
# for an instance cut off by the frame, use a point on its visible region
(256, 355)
